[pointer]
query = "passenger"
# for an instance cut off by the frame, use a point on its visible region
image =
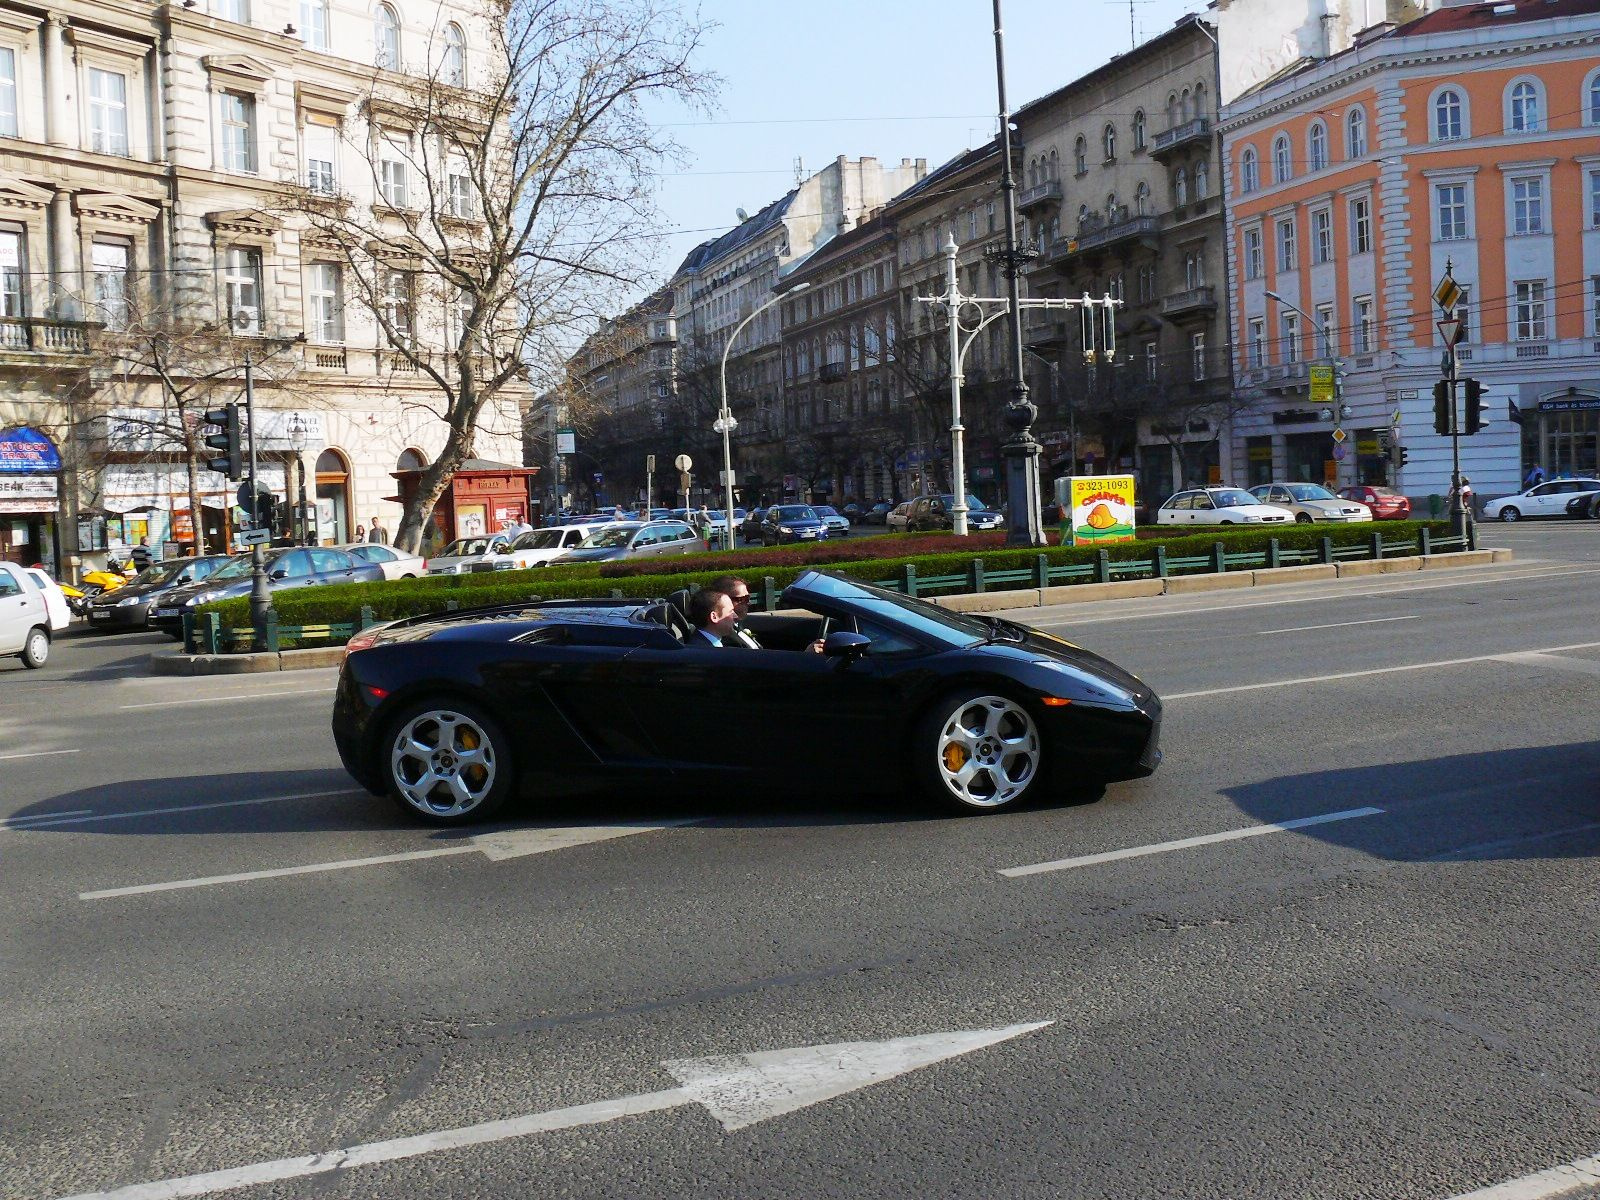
(711, 613)
(738, 591)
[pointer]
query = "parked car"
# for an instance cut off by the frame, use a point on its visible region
(1541, 500)
(55, 600)
(1220, 506)
(24, 617)
(394, 563)
(635, 539)
(851, 512)
(1311, 502)
(937, 512)
(1585, 506)
(791, 523)
(895, 520)
(287, 567)
(877, 514)
(750, 527)
(538, 547)
(459, 555)
(1386, 503)
(838, 524)
(454, 714)
(129, 606)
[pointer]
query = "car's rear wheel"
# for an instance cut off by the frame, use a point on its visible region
(1509, 513)
(447, 762)
(977, 752)
(36, 649)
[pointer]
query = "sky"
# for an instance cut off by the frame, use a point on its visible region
(890, 79)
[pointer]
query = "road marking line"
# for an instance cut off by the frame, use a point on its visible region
(1533, 658)
(36, 754)
(183, 808)
(178, 885)
(1557, 1181)
(24, 822)
(1334, 625)
(1089, 860)
(1423, 666)
(233, 696)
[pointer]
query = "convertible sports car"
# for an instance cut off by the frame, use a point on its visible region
(453, 714)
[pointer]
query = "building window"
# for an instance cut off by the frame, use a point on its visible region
(459, 187)
(241, 280)
(1464, 315)
(1288, 250)
(1527, 204)
(1202, 175)
(1055, 165)
(314, 23)
(1141, 197)
(1258, 342)
(13, 289)
(8, 92)
(1138, 123)
(455, 55)
(1291, 337)
(1194, 269)
(320, 144)
(234, 10)
(972, 226)
(1594, 305)
(1152, 361)
(386, 38)
(1530, 312)
(1325, 338)
(1080, 156)
(1317, 144)
(1355, 133)
(1594, 199)
(1282, 165)
(1360, 225)
(1197, 353)
(108, 112)
(1252, 254)
(1180, 187)
(1364, 330)
(1524, 109)
(392, 174)
(397, 306)
(1450, 212)
(237, 114)
(1591, 105)
(1447, 116)
(1108, 142)
(1249, 171)
(1322, 236)
(325, 288)
(109, 262)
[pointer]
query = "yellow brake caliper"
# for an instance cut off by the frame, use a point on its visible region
(955, 757)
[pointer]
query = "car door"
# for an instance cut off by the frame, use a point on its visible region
(1202, 510)
(292, 570)
(17, 614)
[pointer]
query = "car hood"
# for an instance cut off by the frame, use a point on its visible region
(1038, 644)
(801, 522)
(143, 590)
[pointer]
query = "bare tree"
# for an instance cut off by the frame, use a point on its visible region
(508, 201)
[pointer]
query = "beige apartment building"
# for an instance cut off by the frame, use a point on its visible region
(152, 158)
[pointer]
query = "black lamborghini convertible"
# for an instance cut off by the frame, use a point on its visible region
(455, 713)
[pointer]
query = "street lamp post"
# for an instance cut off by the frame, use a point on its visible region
(297, 444)
(1339, 409)
(725, 423)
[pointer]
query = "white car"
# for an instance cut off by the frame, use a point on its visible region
(1541, 500)
(461, 554)
(24, 617)
(394, 563)
(538, 547)
(1220, 506)
(55, 600)
(1311, 502)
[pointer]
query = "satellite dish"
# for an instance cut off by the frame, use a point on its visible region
(741, 214)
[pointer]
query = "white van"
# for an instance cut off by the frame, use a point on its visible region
(24, 617)
(538, 546)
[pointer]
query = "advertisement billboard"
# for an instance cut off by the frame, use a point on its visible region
(1099, 508)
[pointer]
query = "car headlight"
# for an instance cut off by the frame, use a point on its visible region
(200, 598)
(785, 529)
(505, 566)
(127, 600)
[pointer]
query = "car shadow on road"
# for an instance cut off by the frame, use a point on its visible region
(1532, 802)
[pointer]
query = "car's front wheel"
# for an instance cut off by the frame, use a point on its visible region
(1302, 518)
(977, 752)
(36, 649)
(447, 762)
(1510, 513)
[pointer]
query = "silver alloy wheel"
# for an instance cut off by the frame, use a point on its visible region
(988, 752)
(36, 649)
(442, 763)
(1509, 513)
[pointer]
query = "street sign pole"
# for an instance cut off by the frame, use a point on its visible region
(260, 593)
(1446, 294)
(649, 484)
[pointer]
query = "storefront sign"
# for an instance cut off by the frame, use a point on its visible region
(275, 428)
(1572, 404)
(1322, 383)
(1100, 508)
(27, 450)
(1260, 453)
(30, 487)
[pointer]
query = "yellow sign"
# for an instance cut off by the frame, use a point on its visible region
(1368, 446)
(1322, 383)
(1102, 509)
(1447, 293)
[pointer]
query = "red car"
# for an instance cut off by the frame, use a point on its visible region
(1386, 503)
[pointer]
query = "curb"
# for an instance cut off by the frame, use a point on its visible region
(175, 662)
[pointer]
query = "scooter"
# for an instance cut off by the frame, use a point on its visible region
(77, 600)
(116, 574)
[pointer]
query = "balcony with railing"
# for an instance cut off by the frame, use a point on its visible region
(1185, 134)
(1095, 232)
(44, 335)
(1191, 301)
(1039, 195)
(832, 372)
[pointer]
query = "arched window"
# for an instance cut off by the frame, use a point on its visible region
(1111, 207)
(1202, 179)
(1172, 109)
(1184, 112)
(1180, 186)
(386, 38)
(455, 55)
(1447, 124)
(1083, 216)
(1141, 200)
(1108, 141)
(1080, 156)
(1355, 134)
(411, 459)
(1282, 164)
(1249, 171)
(1033, 172)
(333, 486)
(1055, 228)
(1199, 100)
(1317, 146)
(1525, 107)
(1138, 129)
(1055, 165)
(1591, 99)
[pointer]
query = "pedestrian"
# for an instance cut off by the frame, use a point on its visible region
(1534, 477)
(140, 555)
(361, 533)
(377, 533)
(703, 522)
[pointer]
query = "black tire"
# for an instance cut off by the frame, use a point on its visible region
(402, 781)
(36, 648)
(1510, 513)
(1009, 783)
(1302, 518)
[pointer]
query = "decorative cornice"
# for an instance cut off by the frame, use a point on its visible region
(244, 220)
(238, 66)
(109, 207)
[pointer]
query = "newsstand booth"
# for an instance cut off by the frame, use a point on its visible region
(30, 498)
(483, 498)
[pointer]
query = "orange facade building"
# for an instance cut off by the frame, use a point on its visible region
(1467, 140)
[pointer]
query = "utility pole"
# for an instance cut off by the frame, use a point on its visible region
(260, 592)
(1446, 294)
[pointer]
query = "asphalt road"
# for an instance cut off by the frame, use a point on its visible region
(1397, 1002)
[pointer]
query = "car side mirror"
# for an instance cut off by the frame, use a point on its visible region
(848, 646)
(280, 573)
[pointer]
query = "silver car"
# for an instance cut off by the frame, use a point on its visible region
(1311, 502)
(636, 539)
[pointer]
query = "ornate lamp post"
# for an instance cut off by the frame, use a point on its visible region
(297, 444)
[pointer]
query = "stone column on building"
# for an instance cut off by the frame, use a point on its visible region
(58, 87)
(63, 257)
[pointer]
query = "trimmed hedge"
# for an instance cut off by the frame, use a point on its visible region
(393, 599)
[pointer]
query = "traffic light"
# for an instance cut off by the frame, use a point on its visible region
(1441, 408)
(1475, 405)
(230, 462)
(1405, 457)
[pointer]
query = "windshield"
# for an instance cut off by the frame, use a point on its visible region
(929, 621)
(160, 572)
(973, 503)
(539, 539)
(465, 547)
(1310, 491)
(796, 512)
(1232, 498)
(824, 510)
(610, 538)
(236, 569)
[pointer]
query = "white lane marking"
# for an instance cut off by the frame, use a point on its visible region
(230, 696)
(1557, 1181)
(36, 754)
(496, 847)
(184, 808)
(738, 1090)
(23, 822)
(1334, 625)
(1422, 666)
(1089, 860)
(1533, 658)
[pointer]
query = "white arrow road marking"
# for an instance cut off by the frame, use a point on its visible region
(1558, 662)
(496, 847)
(739, 1090)
(1089, 860)
(1557, 1181)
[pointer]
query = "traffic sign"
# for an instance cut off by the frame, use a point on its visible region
(650, 463)
(1338, 453)
(1450, 329)
(254, 537)
(1322, 383)
(1447, 293)
(1339, 436)
(683, 462)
